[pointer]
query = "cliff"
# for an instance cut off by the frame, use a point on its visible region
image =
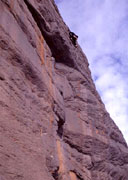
(53, 124)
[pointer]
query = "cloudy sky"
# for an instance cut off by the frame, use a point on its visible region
(102, 27)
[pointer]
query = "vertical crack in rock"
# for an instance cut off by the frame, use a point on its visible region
(2, 78)
(60, 127)
(75, 176)
(55, 174)
(37, 17)
(60, 119)
(59, 48)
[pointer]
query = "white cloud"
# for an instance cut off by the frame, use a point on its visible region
(103, 34)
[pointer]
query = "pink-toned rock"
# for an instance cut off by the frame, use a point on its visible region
(53, 124)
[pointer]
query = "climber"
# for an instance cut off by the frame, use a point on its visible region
(73, 38)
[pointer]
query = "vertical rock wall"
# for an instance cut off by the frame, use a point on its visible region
(53, 124)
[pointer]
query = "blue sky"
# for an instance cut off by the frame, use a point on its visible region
(102, 27)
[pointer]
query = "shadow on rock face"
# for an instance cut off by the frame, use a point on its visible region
(56, 42)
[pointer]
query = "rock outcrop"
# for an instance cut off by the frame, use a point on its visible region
(53, 124)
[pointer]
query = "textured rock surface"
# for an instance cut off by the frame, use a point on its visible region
(53, 124)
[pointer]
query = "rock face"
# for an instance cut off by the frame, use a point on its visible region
(53, 124)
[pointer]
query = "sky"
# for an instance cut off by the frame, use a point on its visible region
(102, 27)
